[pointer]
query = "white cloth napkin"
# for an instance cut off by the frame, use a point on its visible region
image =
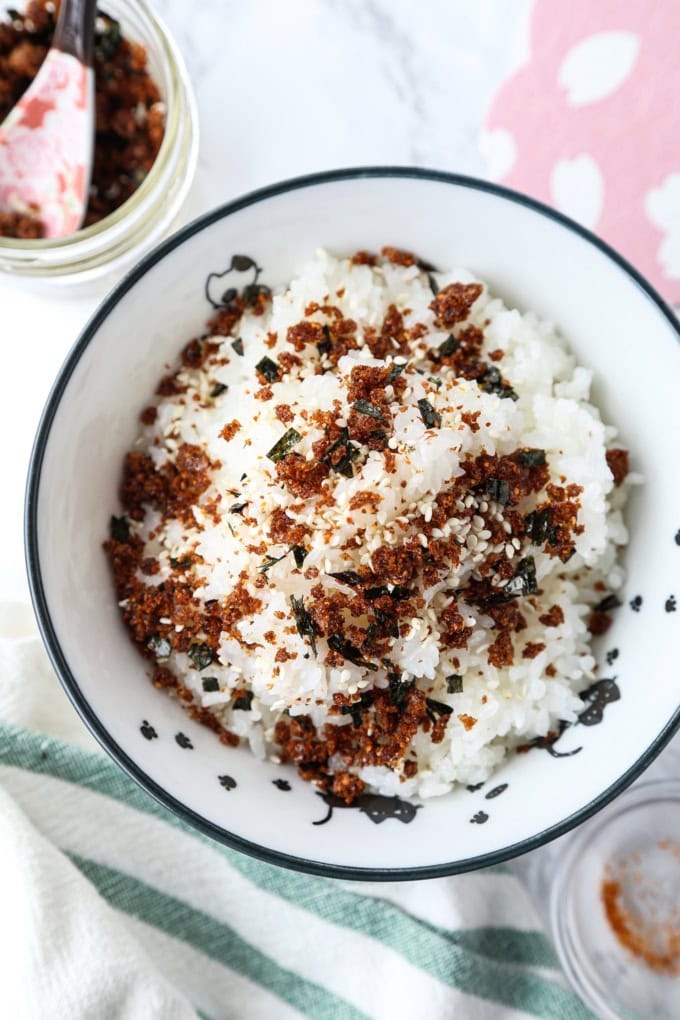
(64, 952)
(112, 908)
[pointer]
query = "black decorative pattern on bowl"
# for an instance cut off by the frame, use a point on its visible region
(249, 293)
(375, 806)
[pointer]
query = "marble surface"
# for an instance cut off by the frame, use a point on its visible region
(285, 89)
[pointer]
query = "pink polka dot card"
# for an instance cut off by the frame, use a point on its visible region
(591, 125)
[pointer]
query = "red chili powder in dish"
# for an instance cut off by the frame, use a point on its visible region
(641, 909)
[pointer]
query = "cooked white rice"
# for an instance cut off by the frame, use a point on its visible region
(510, 705)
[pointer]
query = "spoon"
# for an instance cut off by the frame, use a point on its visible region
(46, 140)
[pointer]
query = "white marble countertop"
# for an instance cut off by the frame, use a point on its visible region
(285, 89)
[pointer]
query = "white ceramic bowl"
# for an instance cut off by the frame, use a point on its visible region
(535, 259)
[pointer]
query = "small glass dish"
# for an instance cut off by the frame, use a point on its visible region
(115, 242)
(622, 874)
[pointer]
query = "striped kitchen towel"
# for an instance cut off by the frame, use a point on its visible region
(113, 908)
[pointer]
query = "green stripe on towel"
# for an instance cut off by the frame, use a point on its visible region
(213, 938)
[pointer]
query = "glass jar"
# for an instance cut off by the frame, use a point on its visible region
(115, 242)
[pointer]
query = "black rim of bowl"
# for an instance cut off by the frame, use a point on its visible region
(68, 680)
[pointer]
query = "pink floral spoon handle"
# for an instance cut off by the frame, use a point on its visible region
(46, 141)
